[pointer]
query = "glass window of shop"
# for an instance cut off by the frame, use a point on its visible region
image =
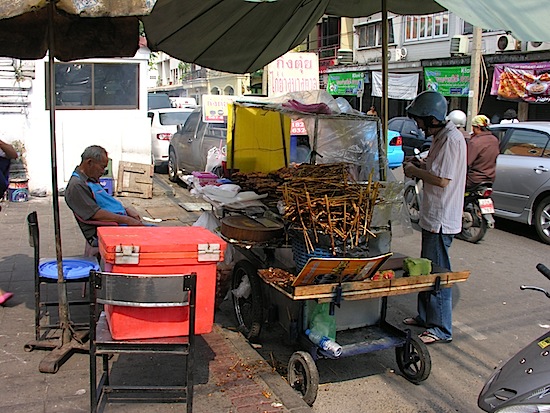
(95, 86)
(426, 27)
(370, 35)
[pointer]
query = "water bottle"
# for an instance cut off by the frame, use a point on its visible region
(324, 343)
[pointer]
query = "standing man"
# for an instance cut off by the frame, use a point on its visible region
(443, 174)
(88, 199)
(483, 149)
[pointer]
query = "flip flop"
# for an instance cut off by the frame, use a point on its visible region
(431, 338)
(5, 297)
(411, 321)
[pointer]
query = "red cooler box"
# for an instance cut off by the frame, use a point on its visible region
(161, 250)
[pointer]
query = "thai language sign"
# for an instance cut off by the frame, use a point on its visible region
(449, 81)
(400, 85)
(349, 83)
(527, 82)
(214, 107)
(293, 72)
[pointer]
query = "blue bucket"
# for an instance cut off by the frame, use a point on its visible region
(74, 268)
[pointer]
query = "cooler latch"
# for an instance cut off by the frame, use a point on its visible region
(208, 252)
(127, 254)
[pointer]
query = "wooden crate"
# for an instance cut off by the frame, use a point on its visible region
(135, 179)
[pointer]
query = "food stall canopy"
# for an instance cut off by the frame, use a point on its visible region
(241, 37)
(527, 20)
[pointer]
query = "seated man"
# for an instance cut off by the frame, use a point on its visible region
(88, 199)
(482, 150)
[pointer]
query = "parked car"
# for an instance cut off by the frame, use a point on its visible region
(190, 144)
(521, 191)
(164, 123)
(158, 101)
(395, 149)
(412, 135)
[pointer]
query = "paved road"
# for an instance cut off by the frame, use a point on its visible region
(492, 320)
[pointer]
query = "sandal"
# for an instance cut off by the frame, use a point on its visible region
(5, 297)
(430, 338)
(411, 321)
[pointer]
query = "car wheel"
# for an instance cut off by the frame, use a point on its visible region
(542, 219)
(172, 167)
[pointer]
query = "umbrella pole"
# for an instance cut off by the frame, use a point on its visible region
(69, 341)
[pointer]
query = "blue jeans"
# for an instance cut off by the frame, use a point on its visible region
(435, 310)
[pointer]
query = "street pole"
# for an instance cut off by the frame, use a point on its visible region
(475, 71)
(385, 105)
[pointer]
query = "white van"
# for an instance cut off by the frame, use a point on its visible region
(178, 102)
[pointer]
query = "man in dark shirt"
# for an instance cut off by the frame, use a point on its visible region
(483, 149)
(88, 199)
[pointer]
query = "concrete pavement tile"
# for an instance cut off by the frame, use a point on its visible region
(24, 407)
(23, 389)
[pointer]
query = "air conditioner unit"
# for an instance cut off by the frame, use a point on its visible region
(345, 56)
(400, 53)
(507, 43)
(536, 46)
(459, 45)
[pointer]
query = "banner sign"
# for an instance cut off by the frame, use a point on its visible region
(350, 84)
(526, 82)
(214, 107)
(449, 81)
(293, 72)
(400, 85)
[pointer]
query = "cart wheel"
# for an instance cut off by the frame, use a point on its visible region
(248, 308)
(414, 360)
(303, 376)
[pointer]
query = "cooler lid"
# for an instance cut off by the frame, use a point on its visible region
(137, 243)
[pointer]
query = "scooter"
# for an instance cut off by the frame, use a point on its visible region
(477, 213)
(522, 384)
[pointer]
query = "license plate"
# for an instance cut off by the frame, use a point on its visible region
(486, 206)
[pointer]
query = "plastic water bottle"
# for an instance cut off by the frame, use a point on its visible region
(324, 343)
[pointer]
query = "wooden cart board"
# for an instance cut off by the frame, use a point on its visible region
(360, 290)
(330, 270)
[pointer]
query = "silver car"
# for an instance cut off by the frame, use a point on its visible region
(521, 191)
(189, 146)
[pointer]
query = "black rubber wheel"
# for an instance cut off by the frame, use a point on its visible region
(248, 309)
(303, 376)
(474, 226)
(542, 219)
(172, 166)
(413, 205)
(414, 360)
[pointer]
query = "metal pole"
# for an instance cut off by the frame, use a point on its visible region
(475, 70)
(61, 286)
(384, 117)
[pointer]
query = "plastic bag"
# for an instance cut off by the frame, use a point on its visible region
(207, 220)
(322, 322)
(244, 289)
(214, 159)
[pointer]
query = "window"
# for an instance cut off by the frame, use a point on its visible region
(426, 27)
(370, 35)
(527, 143)
(95, 85)
(329, 37)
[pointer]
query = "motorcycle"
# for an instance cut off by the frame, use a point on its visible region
(522, 384)
(477, 213)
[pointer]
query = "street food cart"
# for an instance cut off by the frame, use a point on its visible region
(322, 240)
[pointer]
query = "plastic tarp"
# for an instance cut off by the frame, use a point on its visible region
(255, 134)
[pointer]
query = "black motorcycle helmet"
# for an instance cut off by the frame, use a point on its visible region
(428, 104)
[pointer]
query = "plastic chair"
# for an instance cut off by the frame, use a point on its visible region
(76, 269)
(146, 291)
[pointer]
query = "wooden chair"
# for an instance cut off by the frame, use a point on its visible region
(42, 278)
(146, 291)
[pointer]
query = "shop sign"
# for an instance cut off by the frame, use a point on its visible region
(525, 82)
(298, 127)
(345, 84)
(214, 107)
(293, 72)
(400, 85)
(449, 81)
